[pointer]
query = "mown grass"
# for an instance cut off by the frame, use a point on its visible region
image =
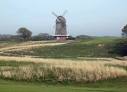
(115, 85)
(14, 63)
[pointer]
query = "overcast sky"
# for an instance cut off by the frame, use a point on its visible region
(89, 17)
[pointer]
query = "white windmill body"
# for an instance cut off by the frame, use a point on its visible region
(61, 28)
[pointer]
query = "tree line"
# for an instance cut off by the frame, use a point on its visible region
(25, 34)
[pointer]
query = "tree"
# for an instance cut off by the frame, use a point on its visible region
(120, 47)
(124, 31)
(24, 33)
(71, 38)
(84, 37)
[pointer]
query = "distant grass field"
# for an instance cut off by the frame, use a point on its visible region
(116, 85)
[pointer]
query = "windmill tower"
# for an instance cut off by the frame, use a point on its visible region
(60, 27)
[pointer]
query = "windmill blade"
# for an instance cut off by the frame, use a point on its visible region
(58, 20)
(64, 12)
(54, 14)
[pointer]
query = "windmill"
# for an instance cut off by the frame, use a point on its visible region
(60, 27)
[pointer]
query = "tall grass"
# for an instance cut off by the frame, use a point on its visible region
(81, 71)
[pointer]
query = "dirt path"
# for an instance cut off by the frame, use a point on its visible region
(28, 46)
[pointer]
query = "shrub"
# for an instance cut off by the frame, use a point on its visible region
(120, 47)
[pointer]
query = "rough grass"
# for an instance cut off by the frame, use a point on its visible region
(98, 47)
(62, 70)
(7, 43)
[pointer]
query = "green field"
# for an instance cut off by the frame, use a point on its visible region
(116, 85)
(96, 47)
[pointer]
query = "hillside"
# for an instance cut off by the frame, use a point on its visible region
(99, 47)
(73, 66)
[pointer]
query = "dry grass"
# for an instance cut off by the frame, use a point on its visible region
(62, 70)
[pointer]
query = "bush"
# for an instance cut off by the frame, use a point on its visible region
(120, 47)
(71, 38)
(84, 37)
(42, 36)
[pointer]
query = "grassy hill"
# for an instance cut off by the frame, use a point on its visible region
(97, 47)
(57, 67)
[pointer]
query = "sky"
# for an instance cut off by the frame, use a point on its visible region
(88, 17)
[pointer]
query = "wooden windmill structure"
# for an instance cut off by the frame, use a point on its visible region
(60, 27)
